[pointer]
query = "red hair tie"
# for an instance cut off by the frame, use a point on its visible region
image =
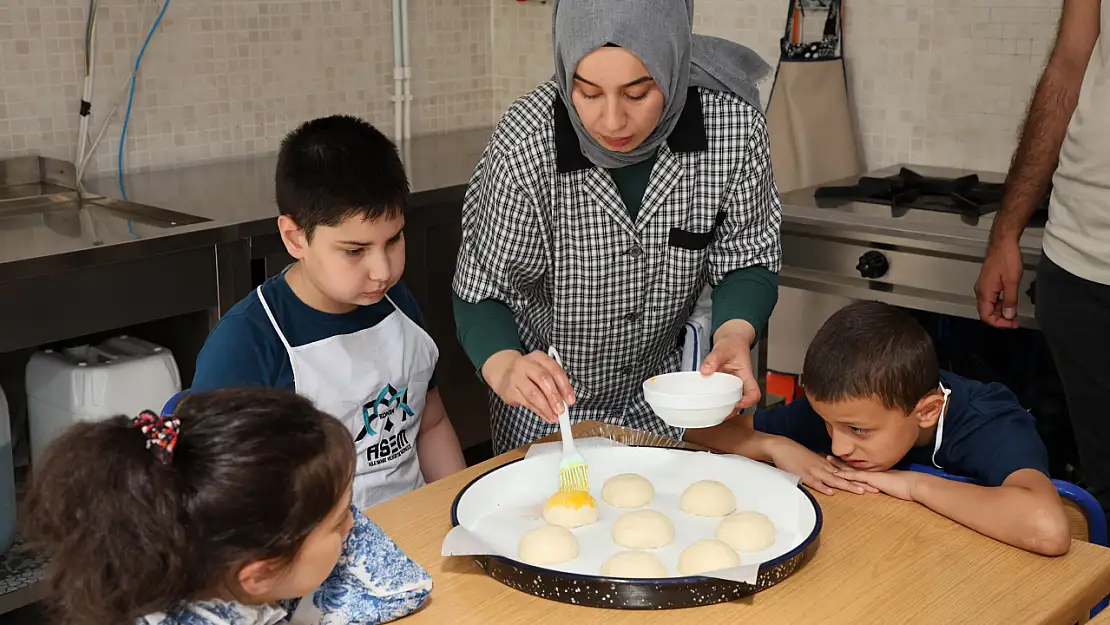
(161, 433)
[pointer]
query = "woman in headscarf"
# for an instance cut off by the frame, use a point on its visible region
(606, 200)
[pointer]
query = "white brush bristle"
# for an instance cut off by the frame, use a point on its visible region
(574, 479)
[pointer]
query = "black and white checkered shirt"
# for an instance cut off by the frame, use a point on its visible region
(546, 232)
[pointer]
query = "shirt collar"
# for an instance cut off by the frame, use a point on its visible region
(688, 134)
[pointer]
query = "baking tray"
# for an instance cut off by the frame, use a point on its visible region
(641, 594)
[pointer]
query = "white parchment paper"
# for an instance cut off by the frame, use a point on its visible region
(500, 507)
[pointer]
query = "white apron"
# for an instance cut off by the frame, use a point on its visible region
(376, 382)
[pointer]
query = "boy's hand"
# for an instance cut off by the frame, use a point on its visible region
(534, 381)
(816, 472)
(900, 484)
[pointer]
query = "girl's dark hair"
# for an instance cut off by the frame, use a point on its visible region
(869, 350)
(253, 473)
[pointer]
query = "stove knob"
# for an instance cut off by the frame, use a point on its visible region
(872, 265)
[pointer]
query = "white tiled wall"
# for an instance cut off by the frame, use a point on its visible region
(939, 82)
(224, 78)
(933, 81)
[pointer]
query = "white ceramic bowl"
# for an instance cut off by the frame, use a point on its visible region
(688, 399)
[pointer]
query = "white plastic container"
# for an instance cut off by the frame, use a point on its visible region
(7, 478)
(123, 375)
(688, 399)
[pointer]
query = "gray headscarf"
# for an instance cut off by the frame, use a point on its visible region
(660, 33)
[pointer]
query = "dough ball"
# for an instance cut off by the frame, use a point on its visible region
(707, 555)
(627, 490)
(708, 498)
(746, 531)
(549, 544)
(643, 529)
(570, 509)
(634, 565)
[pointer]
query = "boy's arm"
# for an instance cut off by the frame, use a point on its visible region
(736, 436)
(739, 436)
(1025, 511)
(236, 354)
(437, 446)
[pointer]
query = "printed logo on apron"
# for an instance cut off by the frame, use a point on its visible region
(384, 420)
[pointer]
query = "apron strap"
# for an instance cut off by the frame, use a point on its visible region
(270, 314)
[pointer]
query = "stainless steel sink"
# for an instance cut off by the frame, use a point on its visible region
(39, 197)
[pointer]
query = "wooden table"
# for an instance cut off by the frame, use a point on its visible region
(880, 560)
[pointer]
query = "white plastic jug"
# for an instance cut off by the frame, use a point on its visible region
(123, 375)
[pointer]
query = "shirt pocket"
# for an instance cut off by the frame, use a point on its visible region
(687, 251)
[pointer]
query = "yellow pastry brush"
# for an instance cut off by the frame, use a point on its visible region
(573, 471)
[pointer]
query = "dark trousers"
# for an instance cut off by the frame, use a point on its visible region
(1074, 315)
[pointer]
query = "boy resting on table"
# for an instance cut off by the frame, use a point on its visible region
(875, 401)
(338, 325)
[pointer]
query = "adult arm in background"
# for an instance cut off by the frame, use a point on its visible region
(744, 262)
(1035, 159)
(503, 248)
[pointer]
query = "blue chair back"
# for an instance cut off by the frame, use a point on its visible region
(1086, 502)
(171, 405)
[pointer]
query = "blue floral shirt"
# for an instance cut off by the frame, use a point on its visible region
(373, 582)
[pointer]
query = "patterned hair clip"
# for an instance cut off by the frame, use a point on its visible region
(161, 433)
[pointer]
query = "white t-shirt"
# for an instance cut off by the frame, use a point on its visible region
(1077, 237)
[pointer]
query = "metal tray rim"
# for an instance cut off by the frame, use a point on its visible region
(795, 552)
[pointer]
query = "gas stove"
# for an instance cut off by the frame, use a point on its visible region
(909, 235)
(907, 190)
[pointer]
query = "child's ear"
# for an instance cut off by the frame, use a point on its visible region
(258, 578)
(927, 412)
(296, 242)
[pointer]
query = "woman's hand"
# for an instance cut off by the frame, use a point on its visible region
(732, 353)
(534, 381)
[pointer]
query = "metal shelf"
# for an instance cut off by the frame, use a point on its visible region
(21, 571)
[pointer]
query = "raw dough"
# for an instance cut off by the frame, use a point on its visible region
(634, 565)
(707, 555)
(746, 531)
(708, 498)
(627, 490)
(571, 509)
(549, 544)
(643, 529)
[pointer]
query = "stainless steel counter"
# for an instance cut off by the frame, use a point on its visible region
(236, 197)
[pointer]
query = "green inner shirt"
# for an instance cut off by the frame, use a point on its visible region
(750, 293)
(632, 183)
